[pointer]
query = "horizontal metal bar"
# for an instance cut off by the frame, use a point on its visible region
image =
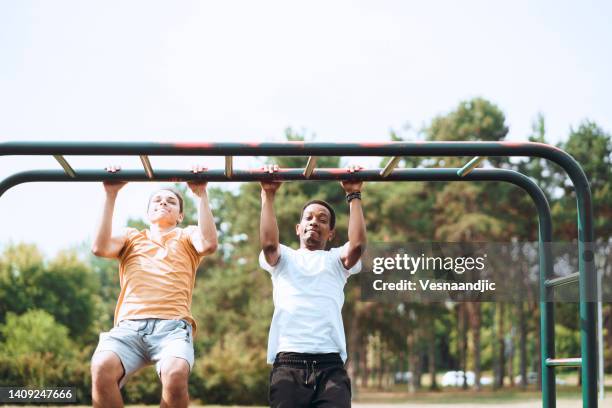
(563, 280)
(218, 175)
(390, 166)
(64, 163)
(146, 163)
(322, 174)
(505, 148)
(310, 166)
(564, 362)
(469, 166)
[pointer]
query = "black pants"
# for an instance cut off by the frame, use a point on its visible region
(309, 380)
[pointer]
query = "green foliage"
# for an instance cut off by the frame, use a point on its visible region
(460, 216)
(33, 332)
(20, 266)
(592, 148)
(475, 119)
(67, 291)
(107, 274)
(143, 388)
(66, 287)
(235, 299)
(43, 370)
(231, 373)
(567, 341)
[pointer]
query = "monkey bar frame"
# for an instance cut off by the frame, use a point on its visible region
(586, 276)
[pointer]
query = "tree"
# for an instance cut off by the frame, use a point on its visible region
(66, 287)
(20, 266)
(592, 148)
(35, 331)
(68, 290)
(469, 212)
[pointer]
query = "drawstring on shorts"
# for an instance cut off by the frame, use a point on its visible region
(314, 362)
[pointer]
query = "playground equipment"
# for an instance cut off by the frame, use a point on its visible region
(586, 276)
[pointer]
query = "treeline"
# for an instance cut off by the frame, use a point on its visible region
(51, 311)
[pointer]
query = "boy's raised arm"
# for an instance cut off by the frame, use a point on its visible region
(105, 244)
(268, 227)
(356, 226)
(205, 240)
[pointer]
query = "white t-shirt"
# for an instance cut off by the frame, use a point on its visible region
(308, 293)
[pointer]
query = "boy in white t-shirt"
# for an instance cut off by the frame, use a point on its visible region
(306, 344)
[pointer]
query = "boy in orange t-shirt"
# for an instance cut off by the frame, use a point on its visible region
(153, 321)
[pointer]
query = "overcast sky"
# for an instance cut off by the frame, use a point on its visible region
(246, 70)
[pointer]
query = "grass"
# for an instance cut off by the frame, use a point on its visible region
(398, 394)
(459, 396)
(446, 396)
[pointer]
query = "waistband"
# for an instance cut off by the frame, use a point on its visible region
(302, 360)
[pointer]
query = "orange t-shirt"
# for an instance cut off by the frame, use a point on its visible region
(157, 278)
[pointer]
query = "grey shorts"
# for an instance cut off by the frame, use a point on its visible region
(142, 342)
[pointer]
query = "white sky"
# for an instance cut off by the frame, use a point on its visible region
(245, 70)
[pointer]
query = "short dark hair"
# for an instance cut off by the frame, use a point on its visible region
(332, 220)
(173, 191)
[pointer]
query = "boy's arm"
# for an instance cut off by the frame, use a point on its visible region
(268, 227)
(356, 227)
(204, 239)
(105, 244)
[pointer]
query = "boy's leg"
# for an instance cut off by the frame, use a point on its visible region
(171, 348)
(288, 387)
(174, 378)
(333, 388)
(118, 355)
(106, 372)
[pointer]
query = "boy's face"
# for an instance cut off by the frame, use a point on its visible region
(314, 229)
(164, 209)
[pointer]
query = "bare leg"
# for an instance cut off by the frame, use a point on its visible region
(174, 378)
(106, 371)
